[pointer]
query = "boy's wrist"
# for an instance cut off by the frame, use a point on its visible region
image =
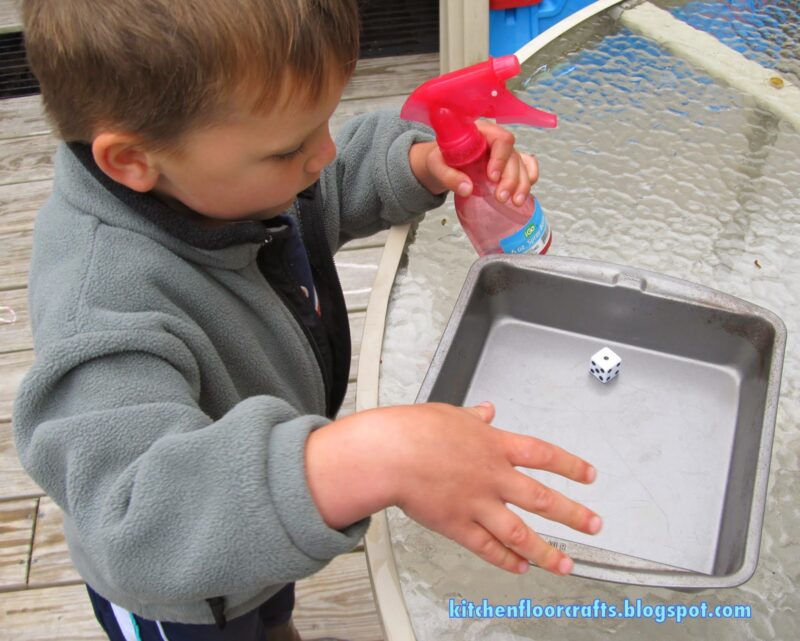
(418, 159)
(349, 470)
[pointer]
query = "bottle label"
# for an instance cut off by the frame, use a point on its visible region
(532, 236)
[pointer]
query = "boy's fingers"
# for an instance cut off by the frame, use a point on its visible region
(512, 532)
(451, 178)
(485, 411)
(508, 184)
(501, 144)
(486, 546)
(523, 185)
(531, 166)
(533, 496)
(536, 454)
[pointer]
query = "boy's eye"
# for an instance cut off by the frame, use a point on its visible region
(289, 154)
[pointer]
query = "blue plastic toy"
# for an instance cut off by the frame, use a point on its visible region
(514, 23)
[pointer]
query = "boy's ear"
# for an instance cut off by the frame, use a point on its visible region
(122, 159)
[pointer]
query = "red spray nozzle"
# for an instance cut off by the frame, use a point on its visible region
(452, 101)
(477, 91)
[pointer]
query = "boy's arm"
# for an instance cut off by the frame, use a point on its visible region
(371, 186)
(390, 171)
(171, 502)
(448, 469)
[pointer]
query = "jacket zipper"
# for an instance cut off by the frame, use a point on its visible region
(326, 382)
(330, 278)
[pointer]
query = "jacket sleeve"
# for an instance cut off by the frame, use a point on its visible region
(173, 505)
(371, 182)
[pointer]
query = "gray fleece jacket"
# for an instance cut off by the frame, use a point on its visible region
(173, 392)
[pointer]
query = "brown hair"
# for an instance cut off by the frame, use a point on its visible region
(159, 68)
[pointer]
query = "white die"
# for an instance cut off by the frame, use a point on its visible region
(605, 365)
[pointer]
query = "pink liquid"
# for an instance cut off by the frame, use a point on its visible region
(485, 220)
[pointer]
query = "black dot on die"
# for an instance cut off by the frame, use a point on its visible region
(605, 358)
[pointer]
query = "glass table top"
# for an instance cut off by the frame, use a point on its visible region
(656, 166)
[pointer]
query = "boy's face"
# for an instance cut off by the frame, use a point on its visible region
(252, 166)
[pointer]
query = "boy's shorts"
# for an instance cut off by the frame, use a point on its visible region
(121, 625)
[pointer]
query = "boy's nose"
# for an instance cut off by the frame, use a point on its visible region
(323, 155)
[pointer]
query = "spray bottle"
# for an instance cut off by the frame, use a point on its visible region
(450, 104)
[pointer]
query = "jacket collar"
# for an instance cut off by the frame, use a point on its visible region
(186, 226)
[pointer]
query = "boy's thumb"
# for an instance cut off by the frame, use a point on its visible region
(484, 410)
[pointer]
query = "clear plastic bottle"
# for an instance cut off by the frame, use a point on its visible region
(450, 104)
(494, 227)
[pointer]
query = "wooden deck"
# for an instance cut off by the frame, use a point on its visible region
(10, 21)
(42, 597)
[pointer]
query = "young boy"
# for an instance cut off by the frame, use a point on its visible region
(191, 335)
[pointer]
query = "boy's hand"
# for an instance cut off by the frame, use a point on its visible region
(514, 172)
(451, 471)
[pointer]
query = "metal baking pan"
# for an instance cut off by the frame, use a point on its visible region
(681, 438)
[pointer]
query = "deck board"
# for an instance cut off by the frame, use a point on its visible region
(20, 202)
(50, 563)
(10, 20)
(377, 78)
(26, 159)
(14, 482)
(12, 369)
(15, 254)
(349, 403)
(357, 269)
(356, 330)
(337, 602)
(17, 519)
(20, 117)
(15, 336)
(51, 614)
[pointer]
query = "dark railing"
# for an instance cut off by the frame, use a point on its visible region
(398, 27)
